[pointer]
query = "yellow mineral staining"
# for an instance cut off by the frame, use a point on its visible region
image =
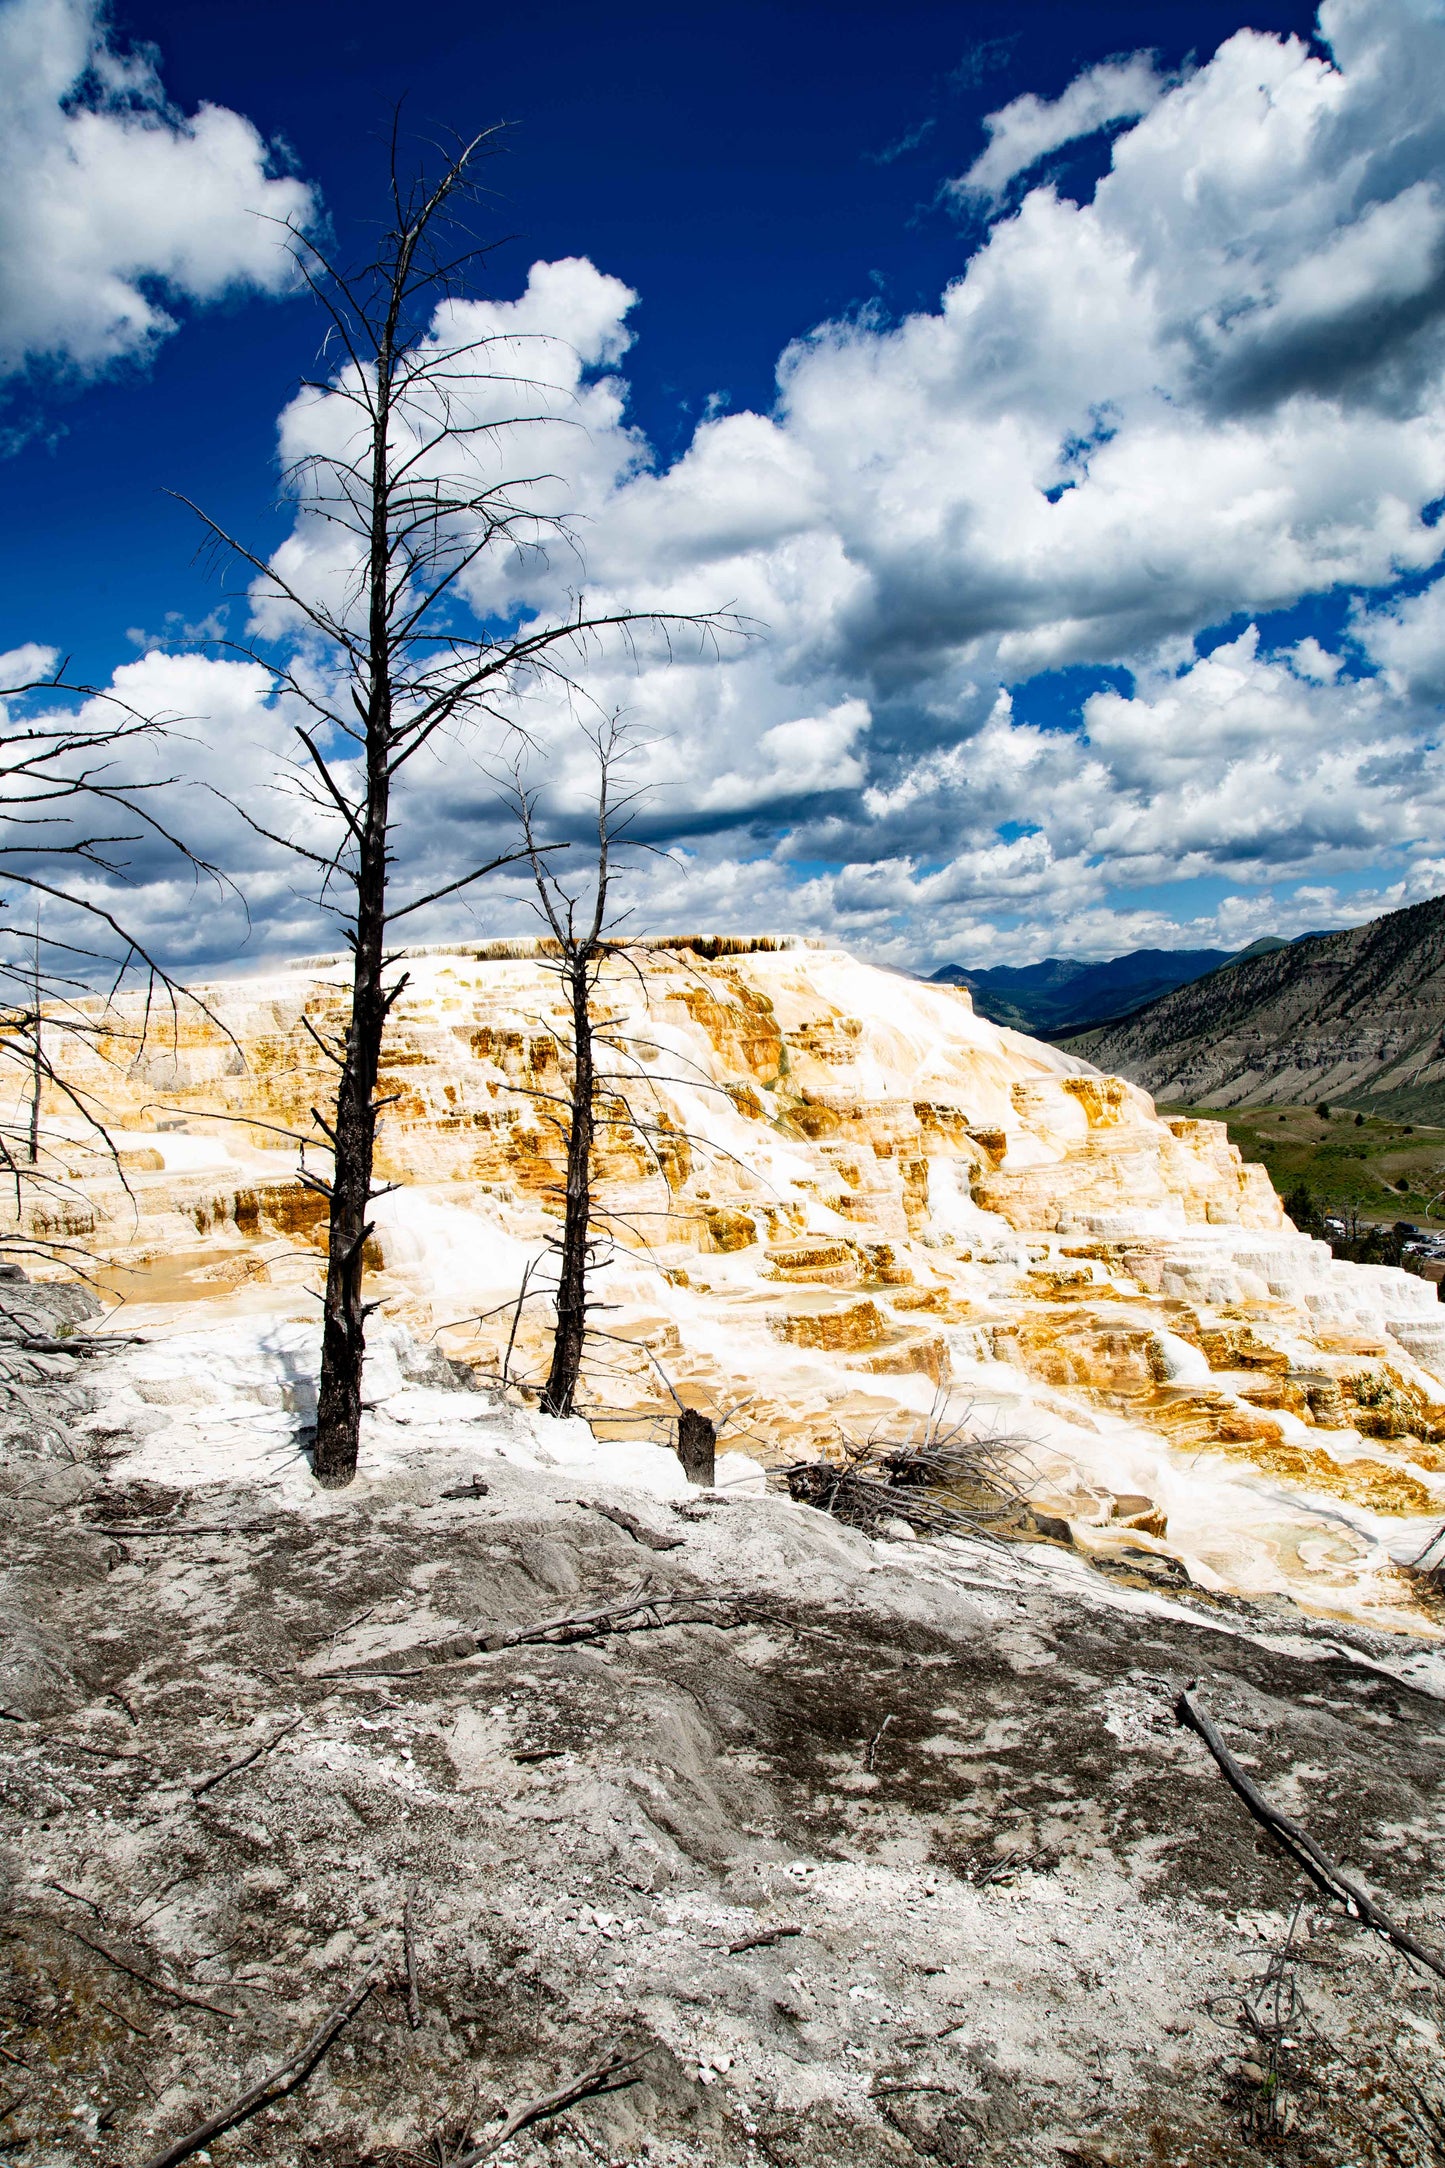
(831, 1264)
(729, 1230)
(935, 1299)
(1068, 1284)
(923, 1353)
(1132, 1510)
(1093, 1355)
(1241, 1347)
(285, 1208)
(1382, 1405)
(831, 1039)
(1105, 1100)
(885, 1267)
(830, 1190)
(141, 1161)
(736, 1017)
(748, 1101)
(813, 1119)
(860, 1325)
(1281, 1392)
(1367, 1483)
(1326, 1403)
(944, 1124)
(994, 1142)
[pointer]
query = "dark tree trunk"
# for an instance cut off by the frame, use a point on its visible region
(561, 1388)
(343, 1337)
(343, 1333)
(37, 1065)
(697, 1446)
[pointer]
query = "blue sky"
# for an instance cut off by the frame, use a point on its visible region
(1036, 561)
(746, 182)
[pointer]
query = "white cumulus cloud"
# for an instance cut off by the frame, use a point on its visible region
(1211, 392)
(109, 199)
(1028, 128)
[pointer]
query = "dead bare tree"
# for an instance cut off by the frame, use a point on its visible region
(415, 494)
(610, 1067)
(70, 819)
(585, 937)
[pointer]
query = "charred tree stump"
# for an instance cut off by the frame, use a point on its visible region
(697, 1446)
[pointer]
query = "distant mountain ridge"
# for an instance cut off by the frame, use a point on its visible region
(1357, 1016)
(1062, 994)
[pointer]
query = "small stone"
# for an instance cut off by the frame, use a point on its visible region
(1053, 1527)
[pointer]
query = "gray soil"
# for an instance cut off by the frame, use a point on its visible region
(1000, 1907)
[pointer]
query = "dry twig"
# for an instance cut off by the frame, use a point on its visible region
(408, 1940)
(264, 1746)
(607, 2076)
(763, 1940)
(635, 1613)
(275, 2085)
(912, 2085)
(632, 1526)
(147, 1979)
(1301, 1846)
(182, 1528)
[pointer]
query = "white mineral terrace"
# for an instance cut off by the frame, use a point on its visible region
(837, 1195)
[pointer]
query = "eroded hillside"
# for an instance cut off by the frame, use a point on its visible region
(1356, 1015)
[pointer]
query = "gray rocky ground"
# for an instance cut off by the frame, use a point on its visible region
(890, 1850)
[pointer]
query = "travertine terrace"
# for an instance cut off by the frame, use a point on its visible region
(864, 1848)
(834, 1192)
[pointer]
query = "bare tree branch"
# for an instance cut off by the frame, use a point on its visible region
(378, 663)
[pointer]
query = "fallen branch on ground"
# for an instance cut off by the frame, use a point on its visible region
(264, 1746)
(762, 1940)
(1320, 1868)
(1016, 1861)
(147, 1979)
(913, 2085)
(632, 1526)
(128, 2022)
(408, 1943)
(632, 1614)
(183, 1528)
(609, 2076)
(273, 2087)
(39, 1344)
(101, 1753)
